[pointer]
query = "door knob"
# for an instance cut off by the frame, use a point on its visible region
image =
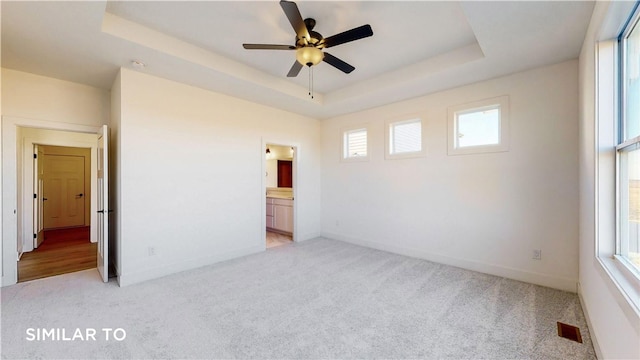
(44, 199)
(80, 195)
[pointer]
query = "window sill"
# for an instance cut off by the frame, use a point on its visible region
(480, 149)
(406, 155)
(627, 285)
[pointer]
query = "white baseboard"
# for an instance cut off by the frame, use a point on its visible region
(585, 310)
(560, 283)
(136, 277)
(308, 236)
(7, 282)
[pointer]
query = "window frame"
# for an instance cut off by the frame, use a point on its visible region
(623, 145)
(410, 118)
(624, 286)
(502, 102)
(344, 144)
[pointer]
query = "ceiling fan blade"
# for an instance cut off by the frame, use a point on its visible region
(349, 35)
(267, 47)
(337, 63)
(295, 69)
(293, 14)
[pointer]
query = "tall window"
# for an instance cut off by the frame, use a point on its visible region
(628, 149)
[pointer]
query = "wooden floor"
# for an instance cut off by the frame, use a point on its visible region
(276, 239)
(62, 251)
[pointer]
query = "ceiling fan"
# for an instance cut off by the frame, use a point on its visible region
(309, 44)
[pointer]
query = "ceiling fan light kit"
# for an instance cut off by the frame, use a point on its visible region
(309, 55)
(309, 44)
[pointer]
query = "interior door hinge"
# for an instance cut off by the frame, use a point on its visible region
(35, 236)
(35, 156)
(35, 196)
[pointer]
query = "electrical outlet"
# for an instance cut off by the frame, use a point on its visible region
(537, 254)
(152, 251)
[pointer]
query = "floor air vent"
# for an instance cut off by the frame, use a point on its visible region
(569, 332)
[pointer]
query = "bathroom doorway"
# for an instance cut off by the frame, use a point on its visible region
(280, 201)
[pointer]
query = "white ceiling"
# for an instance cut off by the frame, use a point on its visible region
(418, 47)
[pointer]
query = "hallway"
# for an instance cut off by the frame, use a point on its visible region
(63, 251)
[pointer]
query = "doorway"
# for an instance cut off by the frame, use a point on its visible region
(19, 136)
(61, 214)
(279, 189)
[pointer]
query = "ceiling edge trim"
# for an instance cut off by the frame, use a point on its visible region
(415, 72)
(144, 36)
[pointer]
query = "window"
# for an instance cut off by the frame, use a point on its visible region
(355, 145)
(479, 127)
(628, 149)
(404, 138)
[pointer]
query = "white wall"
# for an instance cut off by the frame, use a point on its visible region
(484, 212)
(2, 202)
(114, 175)
(35, 101)
(33, 96)
(612, 322)
(191, 175)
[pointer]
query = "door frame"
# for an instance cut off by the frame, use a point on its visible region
(9, 186)
(38, 200)
(263, 185)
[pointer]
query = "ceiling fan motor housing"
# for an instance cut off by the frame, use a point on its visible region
(316, 39)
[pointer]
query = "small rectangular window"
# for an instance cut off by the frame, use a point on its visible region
(479, 127)
(404, 138)
(355, 144)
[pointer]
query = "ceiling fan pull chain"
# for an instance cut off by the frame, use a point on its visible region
(309, 83)
(311, 69)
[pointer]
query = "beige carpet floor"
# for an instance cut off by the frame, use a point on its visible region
(317, 299)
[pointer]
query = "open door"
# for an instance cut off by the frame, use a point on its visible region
(103, 203)
(38, 196)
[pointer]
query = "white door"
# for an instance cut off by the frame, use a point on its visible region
(103, 203)
(63, 191)
(38, 187)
